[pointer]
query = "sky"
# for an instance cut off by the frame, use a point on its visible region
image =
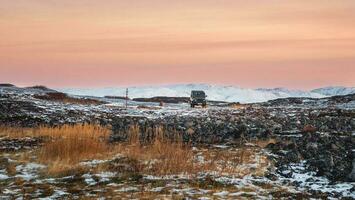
(301, 44)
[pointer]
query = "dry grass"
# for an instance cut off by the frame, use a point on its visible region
(62, 169)
(64, 131)
(15, 132)
(66, 146)
(75, 132)
(164, 156)
(237, 105)
(72, 144)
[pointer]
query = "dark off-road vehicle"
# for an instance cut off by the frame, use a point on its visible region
(198, 98)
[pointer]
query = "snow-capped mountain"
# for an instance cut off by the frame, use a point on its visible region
(214, 92)
(333, 91)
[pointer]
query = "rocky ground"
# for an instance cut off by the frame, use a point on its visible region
(312, 156)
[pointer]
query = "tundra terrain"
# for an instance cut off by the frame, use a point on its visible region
(54, 146)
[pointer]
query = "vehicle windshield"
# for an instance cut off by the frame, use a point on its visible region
(198, 94)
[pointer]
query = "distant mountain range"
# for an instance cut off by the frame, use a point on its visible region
(214, 92)
(333, 91)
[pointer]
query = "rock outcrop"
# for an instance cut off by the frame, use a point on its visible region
(329, 155)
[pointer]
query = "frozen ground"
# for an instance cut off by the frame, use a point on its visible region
(27, 180)
(285, 118)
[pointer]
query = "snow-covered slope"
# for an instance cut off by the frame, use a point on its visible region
(333, 91)
(214, 92)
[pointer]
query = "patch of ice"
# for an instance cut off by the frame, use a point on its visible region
(93, 163)
(221, 194)
(187, 191)
(200, 159)
(242, 193)
(56, 195)
(292, 136)
(168, 177)
(7, 191)
(105, 176)
(221, 146)
(29, 171)
(3, 175)
(113, 184)
(49, 180)
(89, 180)
(30, 166)
(157, 189)
(204, 191)
(250, 144)
(302, 176)
(127, 189)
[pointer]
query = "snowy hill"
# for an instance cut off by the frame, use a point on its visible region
(334, 91)
(214, 92)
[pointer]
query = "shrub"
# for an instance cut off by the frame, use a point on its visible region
(62, 97)
(73, 143)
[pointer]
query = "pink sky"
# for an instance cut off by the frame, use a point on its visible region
(300, 44)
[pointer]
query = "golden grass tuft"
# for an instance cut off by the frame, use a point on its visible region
(62, 168)
(64, 131)
(237, 106)
(163, 155)
(70, 144)
(15, 132)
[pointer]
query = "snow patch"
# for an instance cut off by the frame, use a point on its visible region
(127, 189)
(29, 171)
(214, 92)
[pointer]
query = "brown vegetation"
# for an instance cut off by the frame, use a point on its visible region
(309, 129)
(62, 97)
(164, 156)
(263, 143)
(73, 143)
(66, 146)
(237, 105)
(15, 132)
